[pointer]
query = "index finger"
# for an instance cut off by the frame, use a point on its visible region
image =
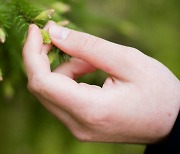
(117, 60)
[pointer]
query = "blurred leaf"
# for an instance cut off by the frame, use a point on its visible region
(1, 75)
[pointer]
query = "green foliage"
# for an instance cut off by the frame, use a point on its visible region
(4, 22)
(4, 17)
(23, 13)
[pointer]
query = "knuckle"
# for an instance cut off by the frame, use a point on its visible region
(137, 55)
(34, 84)
(132, 49)
(95, 119)
(88, 43)
(82, 136)
(134, 52)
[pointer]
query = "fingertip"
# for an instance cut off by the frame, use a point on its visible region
(54, 29)
(34, 39)
(49, 23)
(58, 33)
(32, 27)
(34, 33)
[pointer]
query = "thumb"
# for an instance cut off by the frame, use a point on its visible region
(107, 56)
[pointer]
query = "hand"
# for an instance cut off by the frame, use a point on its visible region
(138, 103)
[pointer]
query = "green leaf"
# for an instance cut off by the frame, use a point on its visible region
(60, 7)
(1, 78)
(2, 36)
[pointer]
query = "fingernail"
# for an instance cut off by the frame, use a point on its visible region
(59, 33)
(30, 28)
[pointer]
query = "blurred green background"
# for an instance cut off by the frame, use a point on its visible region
(26, 127)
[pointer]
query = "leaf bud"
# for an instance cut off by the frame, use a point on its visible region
(52, 56)
(61, 7)
(45, 15)
(46, 37)
(1, 78)
(2, 36)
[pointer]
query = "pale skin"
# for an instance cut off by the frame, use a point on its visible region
(138, 102)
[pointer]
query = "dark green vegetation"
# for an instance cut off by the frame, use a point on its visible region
(26, 127)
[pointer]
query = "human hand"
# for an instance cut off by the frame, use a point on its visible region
(138, 103)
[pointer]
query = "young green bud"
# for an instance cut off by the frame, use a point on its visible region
(45, 15)
(1, 78)
(2, 36)
(63, 23)
(46, 37)
(61, 7)
(52, 55)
